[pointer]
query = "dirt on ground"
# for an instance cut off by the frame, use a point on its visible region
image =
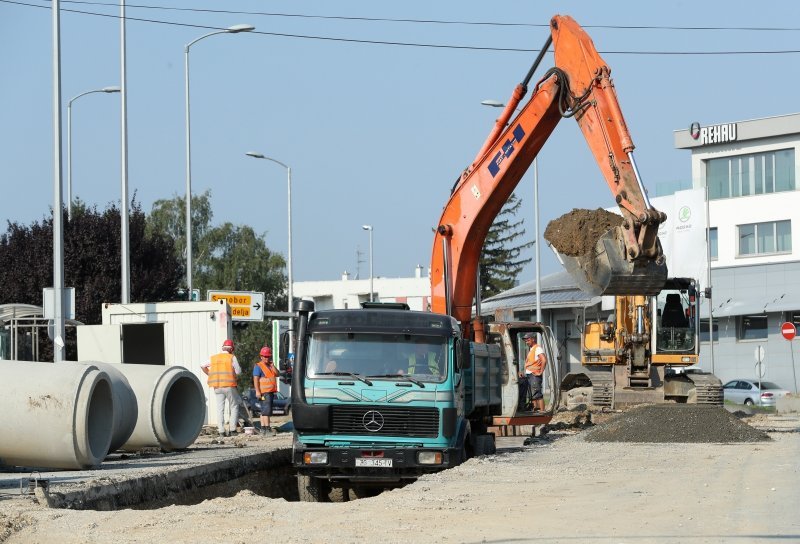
(575, 233)
(561, 487)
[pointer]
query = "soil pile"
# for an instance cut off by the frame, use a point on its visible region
(575, 233)
(676, 423)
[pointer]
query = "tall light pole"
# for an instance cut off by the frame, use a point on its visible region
(235, 29)
(124, 235)
(58, 232)
(369, 228)
(69, 141)
(290, 291)
(498, 104)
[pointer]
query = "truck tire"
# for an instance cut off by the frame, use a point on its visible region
(338, 494)
(484, 445)
(312, 489)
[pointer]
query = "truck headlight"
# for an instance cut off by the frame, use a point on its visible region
(315, 457)
(429, 458)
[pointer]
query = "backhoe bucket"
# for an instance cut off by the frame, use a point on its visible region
(605, 271)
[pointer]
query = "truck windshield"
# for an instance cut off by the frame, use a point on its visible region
(378, 356)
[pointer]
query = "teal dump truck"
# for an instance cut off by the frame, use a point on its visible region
(383, 394)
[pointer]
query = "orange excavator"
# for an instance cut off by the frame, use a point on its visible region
(383, 394)
(627, 260)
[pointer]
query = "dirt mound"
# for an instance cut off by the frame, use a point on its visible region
(676, 423)
(576, 232)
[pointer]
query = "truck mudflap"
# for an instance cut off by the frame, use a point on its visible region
(373, 465)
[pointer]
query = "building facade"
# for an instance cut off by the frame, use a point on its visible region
(350, 293)
(749, 170)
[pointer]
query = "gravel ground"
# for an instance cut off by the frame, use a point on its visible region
(561, 488)
(676, 423)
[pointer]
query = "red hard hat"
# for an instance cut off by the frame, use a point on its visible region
(227, 344)
(265, 352)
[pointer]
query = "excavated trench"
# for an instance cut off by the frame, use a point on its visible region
(278, 482)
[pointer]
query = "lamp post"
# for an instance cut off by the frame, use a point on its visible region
(369, 228)
(69, 141)
(290, 290)
(498, 104)
(235, 29)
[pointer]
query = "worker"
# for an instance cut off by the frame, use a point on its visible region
(422, 360)
(534, 370)
(222, 370)
(265, 382)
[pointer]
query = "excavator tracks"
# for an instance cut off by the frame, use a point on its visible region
(708, 388)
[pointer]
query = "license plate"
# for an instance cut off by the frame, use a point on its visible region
(372, 462)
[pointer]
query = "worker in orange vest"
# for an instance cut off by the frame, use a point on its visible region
(534, 370)
(265, 381)
(222, 370)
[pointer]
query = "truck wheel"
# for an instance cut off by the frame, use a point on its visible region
(359, 492)
(338, 494)
(311, 489)
(484, 445)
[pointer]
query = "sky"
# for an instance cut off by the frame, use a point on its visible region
(375, 106)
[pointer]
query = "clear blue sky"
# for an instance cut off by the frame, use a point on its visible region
(375, 134)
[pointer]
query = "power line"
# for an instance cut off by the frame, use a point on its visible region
(409, 44)
(433, 21)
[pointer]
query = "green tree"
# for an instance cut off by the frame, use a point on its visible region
(92, 263)
(500, 260)
(226, 257)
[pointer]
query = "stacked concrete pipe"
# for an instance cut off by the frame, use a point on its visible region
(171, 406)
(126, 411)
(55, 415)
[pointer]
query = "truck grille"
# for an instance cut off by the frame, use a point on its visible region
(385, 421)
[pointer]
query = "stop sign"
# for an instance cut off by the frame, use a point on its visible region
(788, 330)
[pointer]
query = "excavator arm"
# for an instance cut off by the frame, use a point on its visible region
(627, 259)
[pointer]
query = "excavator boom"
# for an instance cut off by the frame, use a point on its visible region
(579, 85)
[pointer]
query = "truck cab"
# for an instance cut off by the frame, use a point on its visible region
(383, 394)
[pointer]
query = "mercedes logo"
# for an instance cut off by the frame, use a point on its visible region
(372, 421)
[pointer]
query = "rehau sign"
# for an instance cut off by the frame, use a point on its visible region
(715, 134)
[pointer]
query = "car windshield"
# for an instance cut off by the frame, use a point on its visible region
(769, 385)
(378, 356)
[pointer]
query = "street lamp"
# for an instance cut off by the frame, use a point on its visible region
(498, 104)
(369, 228)
(290, 293)
(235, 29)
(69, 141)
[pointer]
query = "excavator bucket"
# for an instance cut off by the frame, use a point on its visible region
(605, 271)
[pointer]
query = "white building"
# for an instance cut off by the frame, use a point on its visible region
(349, 293)
(750, 169)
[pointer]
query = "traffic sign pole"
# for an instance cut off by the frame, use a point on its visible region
(789, 331)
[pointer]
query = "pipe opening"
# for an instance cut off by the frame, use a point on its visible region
(100, 419)
(184, 411)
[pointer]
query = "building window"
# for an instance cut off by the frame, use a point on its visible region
(755, 174)
(765, 238)
(704, 331)
(795, 318)
(713, 244)
(752, 327)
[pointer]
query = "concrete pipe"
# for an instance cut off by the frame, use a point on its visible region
(55, 415)
(126, 410)
(172, 407)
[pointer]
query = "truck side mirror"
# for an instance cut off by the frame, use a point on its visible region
(463, 355)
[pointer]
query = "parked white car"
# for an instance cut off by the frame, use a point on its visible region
(747, 392)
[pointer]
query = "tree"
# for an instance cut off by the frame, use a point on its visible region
(226, 257)
(500, 262)
(92, 264)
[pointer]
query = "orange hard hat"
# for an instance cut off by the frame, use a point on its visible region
(265, 352)
(227, 344)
